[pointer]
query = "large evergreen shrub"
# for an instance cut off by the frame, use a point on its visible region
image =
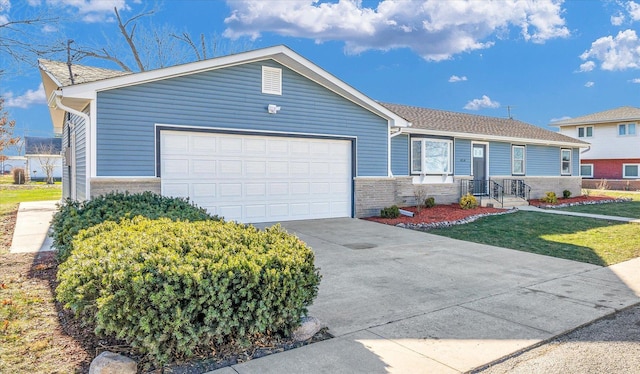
(74, 216)
(169, 287)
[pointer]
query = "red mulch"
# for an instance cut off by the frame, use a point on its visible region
(439, 213)
(453, 212)
(571, 200)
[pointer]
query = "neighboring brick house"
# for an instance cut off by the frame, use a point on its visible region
(614, 136)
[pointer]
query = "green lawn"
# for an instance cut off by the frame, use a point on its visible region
(594, 241)
(629, 209)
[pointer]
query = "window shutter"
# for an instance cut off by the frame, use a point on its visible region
(271, 80)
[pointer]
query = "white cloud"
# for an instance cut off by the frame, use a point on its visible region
(635, 80)
(617, 20)
(484, 102)
(25, 100)
(619, 53)
(455, 78)
(587, 66)
(434, 29)
(589, 84)
(634, 10)
(559, 119)
(92, 11)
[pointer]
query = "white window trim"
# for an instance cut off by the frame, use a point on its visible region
(586, 176)
(570, 160)
(423, 153)
(626, 129)
(624, 175)
(269, 86)
(524, 159)
(585, 131)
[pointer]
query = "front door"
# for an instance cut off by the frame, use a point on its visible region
(480, 183)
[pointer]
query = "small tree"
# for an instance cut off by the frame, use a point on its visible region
(7, 126)
(45, 155)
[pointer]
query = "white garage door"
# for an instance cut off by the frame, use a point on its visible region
(249, 178)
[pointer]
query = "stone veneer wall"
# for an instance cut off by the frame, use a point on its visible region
(103, 186)
(541, 185)
(373, 194)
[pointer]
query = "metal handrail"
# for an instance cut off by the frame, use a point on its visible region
(517, 187)
(496, 192)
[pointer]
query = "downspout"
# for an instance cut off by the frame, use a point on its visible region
(87, 123)
(391, 136)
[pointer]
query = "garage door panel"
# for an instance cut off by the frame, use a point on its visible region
(258, 178)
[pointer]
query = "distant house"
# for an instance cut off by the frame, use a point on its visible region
(614, 135)
(267, 135)
(43, 153)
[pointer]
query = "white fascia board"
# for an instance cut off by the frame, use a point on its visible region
(483, 137)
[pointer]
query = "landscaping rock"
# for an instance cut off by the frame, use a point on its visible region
(309, 327)
(112, 363)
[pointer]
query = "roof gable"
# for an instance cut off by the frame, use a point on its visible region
(443, 122)
(621, 114)
(79, 95)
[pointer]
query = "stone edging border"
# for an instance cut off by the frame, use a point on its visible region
(436, 225)
(556, 206)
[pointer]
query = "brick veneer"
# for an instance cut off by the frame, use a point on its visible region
(610, 168)
(102, 186)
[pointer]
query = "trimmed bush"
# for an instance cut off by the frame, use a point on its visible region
(74, 216)
(468, 201)
(19, 176)
(566, 194)
(430, 202)
(550, 198)
(390, 212)
(169, 288)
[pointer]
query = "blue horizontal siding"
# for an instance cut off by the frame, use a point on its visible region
(80, 157)
(400, 155)
(499, 158)
(462, 157)
(575, 162)
(228, 98)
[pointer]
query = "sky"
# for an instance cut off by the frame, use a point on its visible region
(538, 61)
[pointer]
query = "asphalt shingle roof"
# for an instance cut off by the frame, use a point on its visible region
(621, 114)
(81, 74)
(440, 120)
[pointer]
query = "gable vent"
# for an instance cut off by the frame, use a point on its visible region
(271, 80)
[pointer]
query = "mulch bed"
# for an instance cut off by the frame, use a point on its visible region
(438, 213)
(448, 215)
(572, 201)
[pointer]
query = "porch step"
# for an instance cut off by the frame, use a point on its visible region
(508, 202)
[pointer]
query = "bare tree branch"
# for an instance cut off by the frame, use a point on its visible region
(129, 36)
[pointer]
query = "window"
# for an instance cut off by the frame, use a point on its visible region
(431, 156)
(585, 132)
(630, 170)
(586, 170)
(565, 164)
(627, 129)
(517, 160)
(271, 80)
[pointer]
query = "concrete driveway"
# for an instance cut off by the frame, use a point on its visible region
(405, 301)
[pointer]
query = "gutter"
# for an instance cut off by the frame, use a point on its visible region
(57, 97)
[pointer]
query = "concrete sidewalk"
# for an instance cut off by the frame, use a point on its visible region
(402, 301)
(530, 208)
(32, 227)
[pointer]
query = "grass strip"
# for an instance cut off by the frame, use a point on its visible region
(593, 241)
